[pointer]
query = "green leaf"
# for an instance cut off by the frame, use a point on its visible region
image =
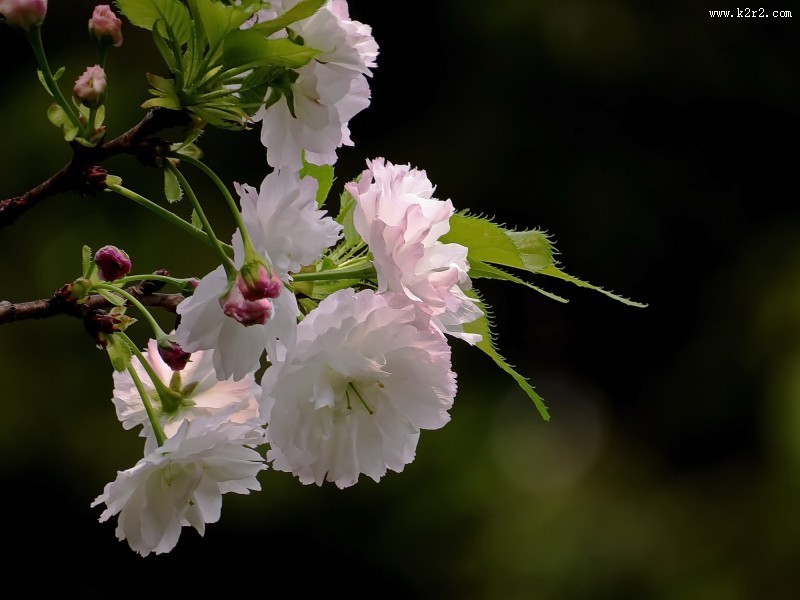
(534, 248)
(196, 220)
(113, 298)
(158, 40)
(482, 326)
(302, 10)
(58, 117)
(56, 76)
(220, 19)
(164, 102)
(250, 48)
(118, 352)
(480, 270)
(87, 261)
(324, 176)
(489, 244)
(225, 117)
(345, 218)
(165, 92)
(553, 271)
(484, 240)
(172, 189)
(144, 13)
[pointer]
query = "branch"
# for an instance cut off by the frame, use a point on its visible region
(146, 292)
(140, 141)
(42, 309)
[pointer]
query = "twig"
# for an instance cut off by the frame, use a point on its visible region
(76, 175)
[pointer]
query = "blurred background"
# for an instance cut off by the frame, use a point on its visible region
(656, 144)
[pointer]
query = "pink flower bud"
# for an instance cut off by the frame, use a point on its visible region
(91, 86)
(173, 355)
(112, 263)
(106, 26)
(256, 282)
(246, 312)
(23, 13)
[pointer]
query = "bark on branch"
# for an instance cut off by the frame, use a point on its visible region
(146, 292)
(140, 140)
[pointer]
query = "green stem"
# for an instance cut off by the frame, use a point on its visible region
(90, 122)
(237, 215)
(148, 407)
(180, 283)
(230, 270)
(170, 400)
(363, 272)
(168, 215)
(35, 39)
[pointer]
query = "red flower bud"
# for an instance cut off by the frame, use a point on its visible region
(247, 312)
(112, 263)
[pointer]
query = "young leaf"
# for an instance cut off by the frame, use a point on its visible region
(196, 220)
(118, 352)
(87, 261)
(172, 189)
(113, 298)
(250, 48)
(324, 176)
(302, 10)
(59, 118)
(345, 218)
(482, 326)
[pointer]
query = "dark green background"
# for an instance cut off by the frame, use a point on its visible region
(658, 146)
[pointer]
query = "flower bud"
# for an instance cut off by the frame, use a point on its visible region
(112, 263)
(172, 354)
(90, 88)
(105, 26)
(23, 13)
(247, 312)
(256, 282)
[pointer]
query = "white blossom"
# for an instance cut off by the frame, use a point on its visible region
(287, 228)
(401, 222)
(328, 92)
(181, 483)
(202, 395)
(364, 376)
(285, 222)
(236, 349)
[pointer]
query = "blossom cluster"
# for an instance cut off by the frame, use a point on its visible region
(354, 373)
(319, 345)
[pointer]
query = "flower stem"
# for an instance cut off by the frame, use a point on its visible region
(168, 215)
(35, 38)
(170, 400)
(148, 407)
(230, 270)
(179, 283)
(362, 272)
(237, 215)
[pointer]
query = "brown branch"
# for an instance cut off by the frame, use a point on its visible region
(60, 304)
(140, 141)
(50, 307)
